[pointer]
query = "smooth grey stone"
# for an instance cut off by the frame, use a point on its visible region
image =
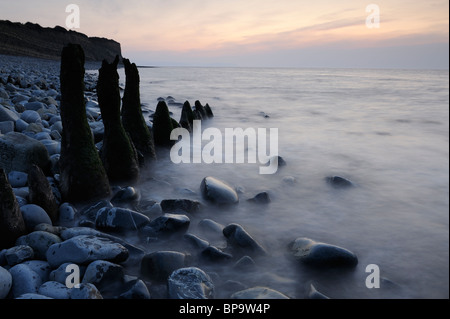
(259, 293)
(22, 201)
(61, 273)
(22, 192)
(31, 117)
(120, 219)
(34, 106)
(218, 191)
(6, 127)
(85, 291)
(125, 195)
(196, 241)
(34, 215)
(158, 266)
(17, 179)
(214, 254)
(5, 282)
(18, 254)
(245, 263)
(53, 147)
(166, 226)
(260, 198)
(239, 238)
(106, 276)
(57, 126)
(209, 225)
(24, 280)
(314, 294)
(67, 213)
(85, 249)
(8, 115)
(42, 136)
(137, 290)
(41, 267)
(339, 182)
(190, 283)
(39, 241)
(320, 254)
(54, 290)
(180, 205)
(21, 125)
(91, 211)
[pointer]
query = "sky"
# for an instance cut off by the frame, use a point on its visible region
(258, 33)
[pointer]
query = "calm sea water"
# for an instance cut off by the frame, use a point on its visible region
(385, 130)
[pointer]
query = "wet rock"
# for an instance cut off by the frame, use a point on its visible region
(39, 241)
(34, 215)
(126, 195)
(210, 226)
(18, 254)
(61, 274)
(338, 182)
(90, 212)
(12, 224)
(5, 282)
(84, 249)
(30, 117)
(320, 254)
(246, 263)
(167, 225)
(214, 254)
(67, 213)
(54, 290)
(19, 152)
(218, 191)
(120, 219)
(40, 267)
(24, 280)
(30, 296)
(314, 294)
(135, 289)
(85, 291)
(158, 266)
(8, 115)
(259, 293)
(106, 276)
(260, 198)
(118, 154)
(239, 238)
(195, 241)
(80, 163)
(180, 205)
(6, 127)
(41, 193)
(190, 283)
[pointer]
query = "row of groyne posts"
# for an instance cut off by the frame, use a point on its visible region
(129, 144)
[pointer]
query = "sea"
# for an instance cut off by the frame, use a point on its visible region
(385, 130)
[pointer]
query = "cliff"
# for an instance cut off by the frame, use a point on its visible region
(32, 40)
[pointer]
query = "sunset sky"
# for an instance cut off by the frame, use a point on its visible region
(281, 33)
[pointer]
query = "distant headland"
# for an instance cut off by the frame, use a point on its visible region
(33, 40)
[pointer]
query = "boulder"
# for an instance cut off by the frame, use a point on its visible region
(18, 254)
(24, 280)
(5, 282)
(84, 249)
(6, 127)
(135, 289)
(240, 239)
(34, 215)
(106, 276)
(158, 266)
(120, 219)
(190, 283)
(167, 225)
(180, 205)
(20, 152)
(320, 254)
(39, 241)
(338, 182)
(54, 290)
(218, 191)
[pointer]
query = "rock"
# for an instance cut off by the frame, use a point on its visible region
(32, 296)
(195, 241)
(80, 163)
(18, 254)
(62, 273)
(24, 280)
(239, 238)
(259, 293)
(106, 276)
(3, 94)
(135, 289)
(118, 154)
(40, 267)
(338, 182)
(19, 152)
(190, 283)
(91, 211)
(314, 294)
(86, 291)
(162, 126)
(120, 219)
(34, 215)
(5, 283)
(210, 226)
(132, 118)
(43, 136)
(53, 147)
(187, 116)
(39, 241)
(54, 290)
(84, 249)
(246, 263)
(166, 226)
(12, 224)
(34, 106)
(158, 266)
(41, 193)
(56, 230)
(30, 117)
(260, 198)
(199, 108)
(208, 111)
(126, 195)
(218, 191)
(320, 254)
(17, 179)
(67, 213)
(8, 115)
(180, 205)
(213, 254)
(6, 127)
(21, 125)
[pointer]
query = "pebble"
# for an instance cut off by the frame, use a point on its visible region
(137, 290)
(180, 205)
(166, 226)
(218, 191)
(17, 179)
(54, 290)
(34, 215)
(238, 237)
(18, 254)
(5, 282)
(24, 280)
(158, 266)
(120, 219)
(108, 277)
(39, 241)
(259, 293)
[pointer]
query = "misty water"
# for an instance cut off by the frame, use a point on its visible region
(385, 130)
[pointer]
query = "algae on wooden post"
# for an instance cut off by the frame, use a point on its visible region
(132, 119)
(83, 176)
(118, 154)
